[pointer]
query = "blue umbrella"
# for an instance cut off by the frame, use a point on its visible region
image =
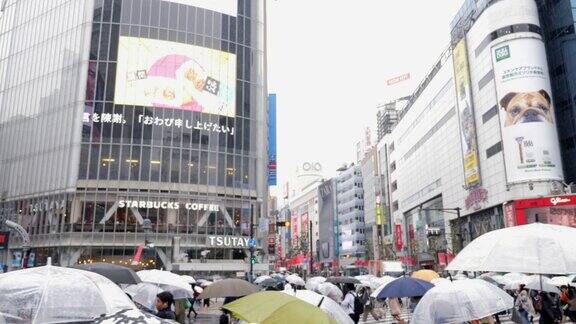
(405, 287)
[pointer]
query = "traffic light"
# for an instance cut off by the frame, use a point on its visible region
(253, 260)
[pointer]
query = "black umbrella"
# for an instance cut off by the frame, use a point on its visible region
(342, 280)
(270, 282)
(118, 274)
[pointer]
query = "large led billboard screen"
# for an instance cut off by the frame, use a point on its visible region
(163, 74)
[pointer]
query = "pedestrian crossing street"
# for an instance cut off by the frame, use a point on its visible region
(406, 316)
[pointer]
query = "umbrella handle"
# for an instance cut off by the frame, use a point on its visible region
(321, 300)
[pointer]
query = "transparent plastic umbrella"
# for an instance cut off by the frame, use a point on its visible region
(330, 290)
(540, 283)
(461, 301)
(560, 281)
(378, 282)
(52, 294)
(169, 281)
(260, 279)
(312, 283)
(328, 305)
(295, 280)
(534, 248)
(144, 294)
(189, 279)
(440, 281)
(130, 316)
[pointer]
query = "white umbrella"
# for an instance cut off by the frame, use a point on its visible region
(460, 276)
(367, 277)
(534, 248)
(189, 279)
(206, 283)
(499, 279)
(330, 290)
(260, 279)
(560, 281)
(379, 289)
(295, 280)
(326, 304)
(540, 283)
(313, 282)
(377, 282)
(461, 301)
(53, 294)
(169, 281)
(440, 281)
(144, 294)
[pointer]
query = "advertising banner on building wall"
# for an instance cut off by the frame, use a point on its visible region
(163, 74)
(272, 166)
(466, 115)
(529, 137)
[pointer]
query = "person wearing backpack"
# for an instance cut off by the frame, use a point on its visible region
(368, 303)
(352, 304)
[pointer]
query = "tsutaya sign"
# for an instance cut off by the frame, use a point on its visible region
(167, 205)
(227, 241)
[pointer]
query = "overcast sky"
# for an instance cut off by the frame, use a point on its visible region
(328, 62)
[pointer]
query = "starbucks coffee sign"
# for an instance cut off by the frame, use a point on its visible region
(145, 204)
(227, 241)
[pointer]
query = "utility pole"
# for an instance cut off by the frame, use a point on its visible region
(311, 256)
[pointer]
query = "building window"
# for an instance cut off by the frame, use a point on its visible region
(394, 185)
(395, 206)
(489, 114)
(486, 79)
(393, 166)
(391, 147)
(493, 149)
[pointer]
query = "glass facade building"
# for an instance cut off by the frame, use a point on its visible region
(558, 19)
(113, 112)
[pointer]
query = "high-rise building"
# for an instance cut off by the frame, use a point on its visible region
(387, 116)
(125, 122)
(350, 209)
(557, 19)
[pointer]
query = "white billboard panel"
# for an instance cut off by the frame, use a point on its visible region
(228, 7)
(527, 121)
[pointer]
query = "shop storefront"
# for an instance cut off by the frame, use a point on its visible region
(559, 210)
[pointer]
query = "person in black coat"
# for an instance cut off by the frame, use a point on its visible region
(164, 301)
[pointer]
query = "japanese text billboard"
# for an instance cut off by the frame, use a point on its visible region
(163, 74)
(529, 138)
(466, 115)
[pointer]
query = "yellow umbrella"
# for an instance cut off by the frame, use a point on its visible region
(425, 274)
(269, 307)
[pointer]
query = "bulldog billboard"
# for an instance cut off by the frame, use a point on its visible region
(529, 137)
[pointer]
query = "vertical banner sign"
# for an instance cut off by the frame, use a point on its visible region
(378, 214)
(398, 236)
(272, 140)
(529, 138)
(466, 115)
